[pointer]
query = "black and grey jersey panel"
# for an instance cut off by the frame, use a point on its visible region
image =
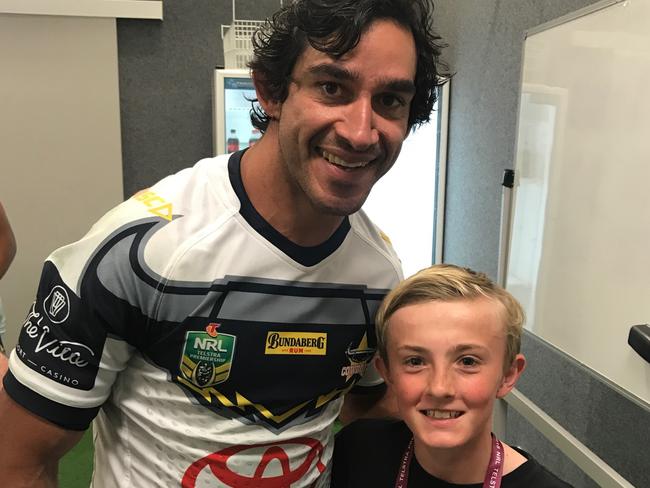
(214, 339)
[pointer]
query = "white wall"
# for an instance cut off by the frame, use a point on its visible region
(61, 164)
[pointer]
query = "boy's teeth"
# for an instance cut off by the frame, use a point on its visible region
(340, 162)
(441, 414)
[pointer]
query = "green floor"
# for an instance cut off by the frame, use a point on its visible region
(76, 468)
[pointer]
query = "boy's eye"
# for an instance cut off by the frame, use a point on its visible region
(414, 361)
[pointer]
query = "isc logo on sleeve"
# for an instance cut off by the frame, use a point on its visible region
(301, 343)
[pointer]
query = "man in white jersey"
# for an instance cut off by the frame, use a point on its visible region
(212, 324)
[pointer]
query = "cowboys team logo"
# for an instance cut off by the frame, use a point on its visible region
(359, 358)
(207, 356)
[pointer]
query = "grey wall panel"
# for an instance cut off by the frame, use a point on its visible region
(485, 40)
(603, 417)
(521, 433)
(166, 71)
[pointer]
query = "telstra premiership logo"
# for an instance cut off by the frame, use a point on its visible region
(207, 356)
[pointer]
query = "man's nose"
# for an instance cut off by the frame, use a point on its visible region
(357, 128)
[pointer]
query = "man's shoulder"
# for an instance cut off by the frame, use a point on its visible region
(364, 226)
(186, 200)
(374, 238)
(201, 192)
(209, 175)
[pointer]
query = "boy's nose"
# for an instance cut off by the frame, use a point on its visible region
(441, 384)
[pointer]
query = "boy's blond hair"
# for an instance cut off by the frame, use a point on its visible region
(446, 282)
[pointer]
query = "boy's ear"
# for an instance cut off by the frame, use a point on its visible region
(512, 375)
(271, 107)
(382, 368)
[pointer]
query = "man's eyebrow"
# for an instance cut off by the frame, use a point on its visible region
(344, 74)
(402, 86)
(332, 70)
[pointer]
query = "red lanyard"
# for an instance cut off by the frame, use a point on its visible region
(492, 475)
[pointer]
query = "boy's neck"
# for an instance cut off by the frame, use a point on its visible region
(465, 464)
(460, 465)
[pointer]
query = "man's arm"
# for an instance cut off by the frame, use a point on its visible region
(378, 402)
(31, 447)
(7, 243)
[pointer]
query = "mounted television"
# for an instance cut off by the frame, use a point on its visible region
(232, 94)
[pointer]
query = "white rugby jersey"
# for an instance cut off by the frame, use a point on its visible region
(211, 351)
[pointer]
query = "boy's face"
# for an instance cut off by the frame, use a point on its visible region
(446, 367)
(343, 122)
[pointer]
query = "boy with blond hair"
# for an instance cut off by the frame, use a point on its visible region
(449, 346)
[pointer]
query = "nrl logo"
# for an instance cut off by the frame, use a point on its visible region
(207, 356)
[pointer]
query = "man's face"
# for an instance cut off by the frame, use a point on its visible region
(445, 364)
(343, 122)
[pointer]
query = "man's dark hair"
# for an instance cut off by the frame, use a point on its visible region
(335, 27)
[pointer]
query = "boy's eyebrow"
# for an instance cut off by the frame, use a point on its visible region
(457, 349)
(340, 73)
(468, 347)
(407, 347)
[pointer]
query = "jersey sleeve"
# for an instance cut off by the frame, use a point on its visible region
(88, 317)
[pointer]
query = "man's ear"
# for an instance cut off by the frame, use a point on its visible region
(271, 107)
(512, 375)
(382, 368)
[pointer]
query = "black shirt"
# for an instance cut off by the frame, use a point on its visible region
(369, 452)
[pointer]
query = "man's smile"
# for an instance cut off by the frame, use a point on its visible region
(343, 163)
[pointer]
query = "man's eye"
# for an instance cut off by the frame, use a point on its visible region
(330, 88)
(389, 100)
(468, 361)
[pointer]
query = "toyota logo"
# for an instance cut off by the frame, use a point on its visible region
(218, 464)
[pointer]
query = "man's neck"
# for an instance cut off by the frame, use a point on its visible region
(282, 205)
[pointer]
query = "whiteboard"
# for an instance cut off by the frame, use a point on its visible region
(579, 256)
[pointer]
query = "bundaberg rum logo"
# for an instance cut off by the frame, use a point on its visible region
(207, 356)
